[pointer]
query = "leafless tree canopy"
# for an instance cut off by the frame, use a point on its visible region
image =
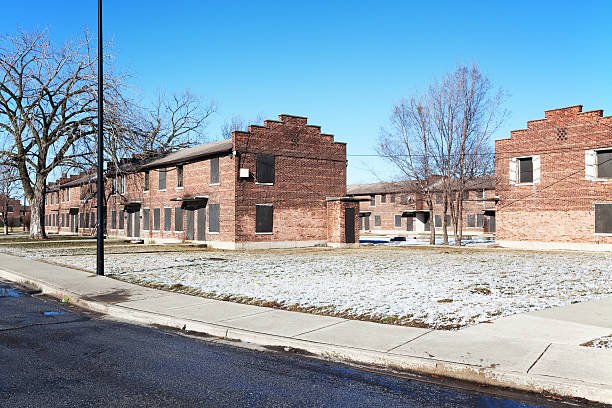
(446, 132)
(237, 123)
(48, 114)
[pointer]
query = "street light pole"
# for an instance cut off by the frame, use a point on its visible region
(100, 181)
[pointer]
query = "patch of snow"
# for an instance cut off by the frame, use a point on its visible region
(438, 288)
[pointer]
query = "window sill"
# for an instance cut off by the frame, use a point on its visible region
(179, 188)
(263, 184)
(213, 233)
(264, 233)
(601, 180)
(603, 234)
(524, 184)
(162, 191)
(214, 184)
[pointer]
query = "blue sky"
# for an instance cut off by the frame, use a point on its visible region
(341, 64)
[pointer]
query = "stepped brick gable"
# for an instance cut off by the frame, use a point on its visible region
(553, 180)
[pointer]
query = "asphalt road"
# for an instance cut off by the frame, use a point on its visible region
(53, 356)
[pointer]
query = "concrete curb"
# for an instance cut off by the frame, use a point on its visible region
(481, 375)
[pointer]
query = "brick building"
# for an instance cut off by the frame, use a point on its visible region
(400, 209)
(554, 181)
(279, 185)
(70, 204)
(14, 211)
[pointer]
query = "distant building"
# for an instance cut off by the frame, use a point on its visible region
(279, 185)
(14, 210)
(400, 208)
(554, 181)
(70, 204)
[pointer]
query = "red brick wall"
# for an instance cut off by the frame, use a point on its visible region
(336, 221)
(310, 167)
(393, 206)
(561, 207)
(196, 182)
(15, 214)
(80, 196)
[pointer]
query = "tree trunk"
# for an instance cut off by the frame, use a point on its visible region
(459, 234)
(37, 205)
(444, 226)
(5, 222)
(432, 228)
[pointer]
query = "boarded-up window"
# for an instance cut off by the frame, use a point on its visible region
(265, 168)
(383, 198)
(471, 220)
(213, 217)
(377, 222)
(113, 219)
(604, 163)
(121, 220)
(214, 171)
(167, 219)
(161, 174)
(146, 180)
(603, 218)
(178, 219)
(146, 219)
(179, 176)
(479, 220)
(81, 223)
(372, 200)
(264, 216)
(366, 223)
(398, 221)
(409, 223)
(156, 218)
(525, 170)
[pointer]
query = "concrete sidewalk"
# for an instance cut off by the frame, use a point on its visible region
(537, 351)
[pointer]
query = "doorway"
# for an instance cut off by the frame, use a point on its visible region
(202, 224)
(190, 227)
(349, 225)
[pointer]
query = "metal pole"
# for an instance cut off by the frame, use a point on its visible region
(100, 181)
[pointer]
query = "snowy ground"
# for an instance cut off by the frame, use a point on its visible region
(442, 288)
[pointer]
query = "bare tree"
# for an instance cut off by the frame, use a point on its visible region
(467, 113)
(237, 123)
(407, 145)
(9, 188)
(48, 115)
(48, 103)
(171, 123)
(446, 132)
